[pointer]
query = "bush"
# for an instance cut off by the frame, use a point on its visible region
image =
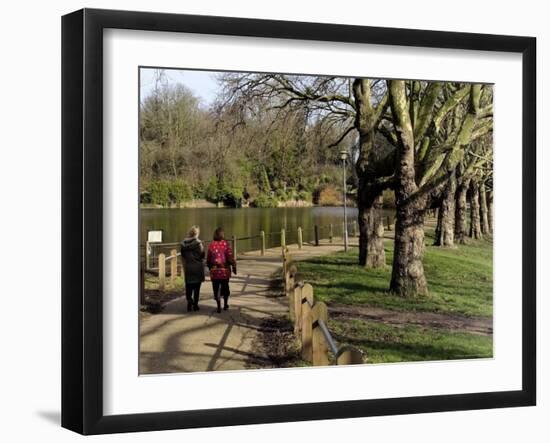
(329, 196)
(180, 191)
(281, 195)
(160, 192)
(304, 195)
(265, 201)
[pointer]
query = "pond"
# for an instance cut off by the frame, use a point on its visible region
(246, 222)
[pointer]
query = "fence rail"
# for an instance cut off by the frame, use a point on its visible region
(310, 318)
(151, 251)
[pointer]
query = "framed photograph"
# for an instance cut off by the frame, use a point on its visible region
(269, 221)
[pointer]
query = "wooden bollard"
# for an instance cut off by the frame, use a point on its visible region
(330, 233)
(234, 241)
(316, 231)
(388, 222)
(300, 238)
(319, 344)
(162, 271)
(350, 356)
(291, 294)
(307, 327)
(297, 310)
(173, 267)
(141, 285)
(262, 238)
(283, 238)
(354, 228)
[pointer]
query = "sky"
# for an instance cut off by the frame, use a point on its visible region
(202, 83)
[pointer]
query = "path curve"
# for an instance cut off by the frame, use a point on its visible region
(177, 341)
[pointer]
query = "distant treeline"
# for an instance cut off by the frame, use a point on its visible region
(235, 153)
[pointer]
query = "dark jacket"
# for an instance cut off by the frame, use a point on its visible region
(192, 255)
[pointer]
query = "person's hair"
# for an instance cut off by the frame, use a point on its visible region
(218, 234)
(194, 231)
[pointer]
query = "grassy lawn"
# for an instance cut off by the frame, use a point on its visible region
(388, 344)
(459, 281)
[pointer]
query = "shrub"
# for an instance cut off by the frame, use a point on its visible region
(265, 201)
(160, 192)
(180, 191)
(329, 196)
(305, 195)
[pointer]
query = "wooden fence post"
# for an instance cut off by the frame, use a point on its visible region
(234, 240)
(349, 356)
(297, 310)
(316, 230)
(162, 271)
(307, 329)
(173, 267)
(330, 233)
(262, 237)
(141, 285)
(319, 344)
(290, 293)
(388, 222)
(299, 238)
(283, 238)
(354, 228)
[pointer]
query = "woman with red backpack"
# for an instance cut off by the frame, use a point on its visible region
(220, 261)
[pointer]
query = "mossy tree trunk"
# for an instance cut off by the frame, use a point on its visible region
(445, 232)
(408, 269)
(490, 210)
(475, 218)
(369, 196)
(371, 234)
(484, 210)
(461, 222)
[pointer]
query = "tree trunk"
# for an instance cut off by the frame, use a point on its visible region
(445, 232)
(461, 224)
(490, 211)
(371, 233)
(369, 201)
(475, 219)
(408, 270)
(484, 210)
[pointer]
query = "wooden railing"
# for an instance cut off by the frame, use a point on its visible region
(302, 236)
(310, 319)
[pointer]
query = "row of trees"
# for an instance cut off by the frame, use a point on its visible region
(231, 151)
(429, 142)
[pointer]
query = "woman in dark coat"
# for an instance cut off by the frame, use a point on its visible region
(192, 255)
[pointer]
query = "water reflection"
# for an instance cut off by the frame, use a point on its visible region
(245, 222)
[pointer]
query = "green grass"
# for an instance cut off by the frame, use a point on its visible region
(459, 280)
(384, 343)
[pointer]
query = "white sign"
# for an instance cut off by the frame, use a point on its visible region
(154, 236)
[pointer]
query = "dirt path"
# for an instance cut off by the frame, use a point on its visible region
(433, 320)
(177, 341)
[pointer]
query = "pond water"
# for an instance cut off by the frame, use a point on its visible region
(246, 222)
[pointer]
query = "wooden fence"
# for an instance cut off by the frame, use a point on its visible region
(310, 319)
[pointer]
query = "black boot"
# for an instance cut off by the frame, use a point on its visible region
(225, 305)
(196, 302)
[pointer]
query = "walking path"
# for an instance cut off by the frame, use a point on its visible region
(179, 341)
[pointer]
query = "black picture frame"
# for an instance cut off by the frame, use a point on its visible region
(82, 218)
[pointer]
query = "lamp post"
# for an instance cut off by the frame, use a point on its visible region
(344, 156)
